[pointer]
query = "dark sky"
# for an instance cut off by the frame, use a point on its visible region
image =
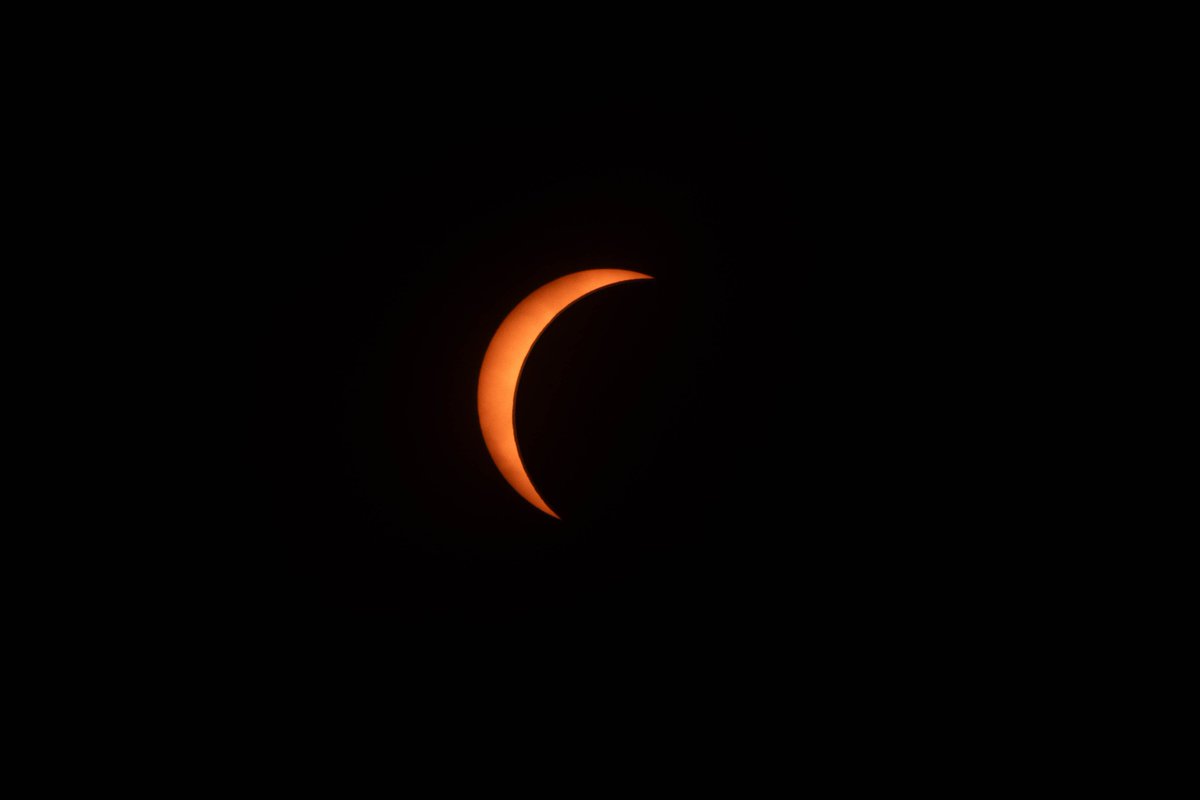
(735, 446)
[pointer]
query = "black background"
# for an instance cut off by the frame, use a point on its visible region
(805, 460)
(744, 446)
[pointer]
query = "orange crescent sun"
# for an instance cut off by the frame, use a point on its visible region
(501, 370)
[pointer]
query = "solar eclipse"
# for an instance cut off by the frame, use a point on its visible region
(506, 354)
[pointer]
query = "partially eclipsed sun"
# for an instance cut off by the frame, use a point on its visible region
(506, 356)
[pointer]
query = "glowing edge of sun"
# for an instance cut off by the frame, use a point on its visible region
(505, 358)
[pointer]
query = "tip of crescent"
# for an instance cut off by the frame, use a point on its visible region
(541, 505)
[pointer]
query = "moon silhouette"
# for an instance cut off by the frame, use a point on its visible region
(505, 357)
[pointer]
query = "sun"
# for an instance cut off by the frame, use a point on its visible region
(505, 357)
